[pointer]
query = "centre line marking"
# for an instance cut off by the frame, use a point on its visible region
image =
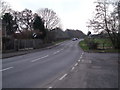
(61, 49)
(39, 58)
(63, 76)
(56, 52)
(6, 69)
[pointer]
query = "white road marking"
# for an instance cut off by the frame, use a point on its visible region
(72, 68)
(61, 49)
(63, 76)
(76, 64)
(82, 53)
(57, 44)
(6, 69)
(80, 57)
(39, 58)
(56, 52)
(78, 60)
(50, 87)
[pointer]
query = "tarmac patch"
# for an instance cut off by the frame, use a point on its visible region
(86, 61)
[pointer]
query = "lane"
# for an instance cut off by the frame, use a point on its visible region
(17, 60)
(37, 74)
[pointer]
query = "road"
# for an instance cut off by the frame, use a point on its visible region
(36, 70)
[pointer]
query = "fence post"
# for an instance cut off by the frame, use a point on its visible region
(16, 46)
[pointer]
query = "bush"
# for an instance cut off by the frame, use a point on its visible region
(91, 43)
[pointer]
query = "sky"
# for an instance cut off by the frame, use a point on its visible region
(74, 14)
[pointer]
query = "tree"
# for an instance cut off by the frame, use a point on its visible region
(106, 20)
(23, 22)
(38, 26)
(7, 22)
(25, 19)
(50, 18)
(4, 7)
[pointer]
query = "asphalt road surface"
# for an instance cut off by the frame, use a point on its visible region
(36, 70)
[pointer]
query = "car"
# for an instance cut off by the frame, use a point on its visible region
(74, 39)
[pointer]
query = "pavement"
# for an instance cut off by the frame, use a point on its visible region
(94, 70)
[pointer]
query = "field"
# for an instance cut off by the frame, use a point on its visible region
(104, 45)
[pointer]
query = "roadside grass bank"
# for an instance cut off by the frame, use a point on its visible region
(103, 45)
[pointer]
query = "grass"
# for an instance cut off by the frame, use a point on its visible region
(83, 45)
(104, 45)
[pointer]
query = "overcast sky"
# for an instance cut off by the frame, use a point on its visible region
(73, 13)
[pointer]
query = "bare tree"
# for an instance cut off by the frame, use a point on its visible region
(23, 19)
(106, 20)
(50, 18)
(4, 7)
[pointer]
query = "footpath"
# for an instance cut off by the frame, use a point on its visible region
(94, 70)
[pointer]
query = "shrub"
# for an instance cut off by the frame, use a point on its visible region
(91, 43)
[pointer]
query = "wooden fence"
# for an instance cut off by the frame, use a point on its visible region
(21, 44)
